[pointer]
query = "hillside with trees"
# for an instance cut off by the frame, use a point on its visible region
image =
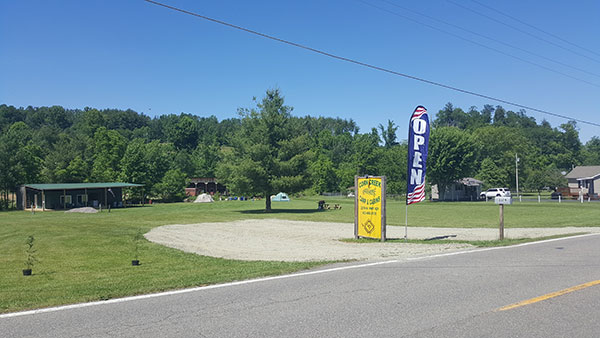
(268, 149)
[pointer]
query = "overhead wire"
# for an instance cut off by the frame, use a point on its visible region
(522, 31)
(536, 28)
(421, 23)
(489, 38)
(369, 65)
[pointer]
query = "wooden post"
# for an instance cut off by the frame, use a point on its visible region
(65, 199)
(355, 207)
(383, 207)
(501, 221)
(105, 198)
(24, 197)
(43, 201)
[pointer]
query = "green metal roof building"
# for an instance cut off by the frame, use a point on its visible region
(72, 195)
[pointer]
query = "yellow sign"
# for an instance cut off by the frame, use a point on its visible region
(370, 207)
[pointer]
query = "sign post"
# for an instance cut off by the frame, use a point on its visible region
(502, 201)
(369, 207)
(501, 237)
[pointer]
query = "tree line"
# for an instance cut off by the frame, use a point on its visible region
(267, 149)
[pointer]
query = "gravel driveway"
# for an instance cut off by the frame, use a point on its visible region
(283, 240)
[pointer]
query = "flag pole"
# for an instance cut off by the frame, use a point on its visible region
(406, 224)
(418, 143)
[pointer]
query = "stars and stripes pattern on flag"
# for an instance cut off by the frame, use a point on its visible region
(418, 143)
(418, 113)
(417, 195)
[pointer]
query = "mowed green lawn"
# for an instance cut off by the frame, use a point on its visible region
(87, 257)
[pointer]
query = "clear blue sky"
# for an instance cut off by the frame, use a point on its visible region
(132, 54)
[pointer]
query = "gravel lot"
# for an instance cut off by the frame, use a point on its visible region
(283, 240)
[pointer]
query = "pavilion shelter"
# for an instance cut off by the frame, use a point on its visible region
(72, 195)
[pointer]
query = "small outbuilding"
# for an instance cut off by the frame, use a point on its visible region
(281, 197)
(465, 189)
(72, 195)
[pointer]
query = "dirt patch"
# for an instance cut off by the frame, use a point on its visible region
(283, 240)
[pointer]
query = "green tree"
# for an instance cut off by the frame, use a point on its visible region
(204, 160)
(108, 148)
(591, 152)
(136, 169)
(184, 133)
(392, 164)
(90, 121)
(77, 170)
(159, 158)
(21, 160)
(366, 153)
(172, 187)
(499, 116)
(388, 134)
(491, 174)
(451, 156)
(65, 160)
(323, 175)
(544, 177)
(451, 117)
(147, 164)
(267, 157)
(571, 153)
(499, 144)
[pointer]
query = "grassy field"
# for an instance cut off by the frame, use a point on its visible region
(87, 257)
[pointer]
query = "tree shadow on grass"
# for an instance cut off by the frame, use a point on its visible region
(280, 211)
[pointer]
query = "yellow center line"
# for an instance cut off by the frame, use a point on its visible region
(549, 295)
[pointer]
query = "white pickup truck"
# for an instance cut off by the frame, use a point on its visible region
(495, 192)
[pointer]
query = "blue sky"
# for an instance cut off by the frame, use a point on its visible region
(132, 54)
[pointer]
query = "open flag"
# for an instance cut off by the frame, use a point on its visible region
(418, 141)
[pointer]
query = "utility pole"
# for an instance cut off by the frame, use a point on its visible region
(517, 172)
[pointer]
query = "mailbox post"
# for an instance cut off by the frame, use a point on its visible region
(502, 201)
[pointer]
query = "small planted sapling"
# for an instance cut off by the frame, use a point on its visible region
(30, 253)
(137, 241)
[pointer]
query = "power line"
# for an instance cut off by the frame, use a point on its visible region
(489, 38)
(522, 31)
(534, 27)
(421, 23)
(369, 65)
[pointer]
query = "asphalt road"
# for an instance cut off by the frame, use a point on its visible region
(457, 295)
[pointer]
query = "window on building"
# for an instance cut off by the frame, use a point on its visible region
(65, 199)
(81, 199)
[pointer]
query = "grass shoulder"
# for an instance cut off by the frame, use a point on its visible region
(479, 243)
